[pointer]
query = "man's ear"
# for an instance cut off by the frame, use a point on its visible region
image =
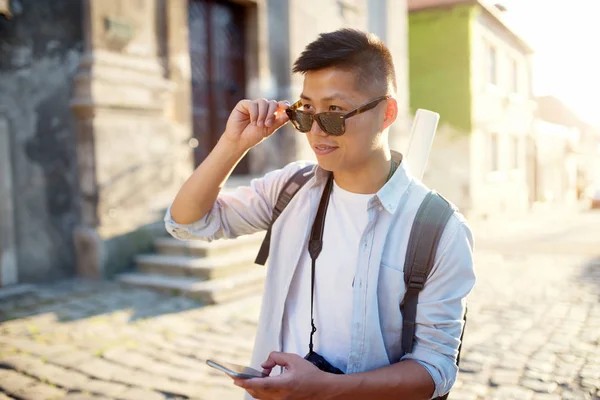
(391, 112)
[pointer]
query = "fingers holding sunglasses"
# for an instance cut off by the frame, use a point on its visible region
(254, 120)
(263, 107)
(278, 117)
(270, 116)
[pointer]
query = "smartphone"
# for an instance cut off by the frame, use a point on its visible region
(236, 371)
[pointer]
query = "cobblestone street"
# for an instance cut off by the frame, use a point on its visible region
(533, 329)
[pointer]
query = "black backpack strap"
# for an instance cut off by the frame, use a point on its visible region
(427, 229)
(292, 186)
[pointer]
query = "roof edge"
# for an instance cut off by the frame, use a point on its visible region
(441, 5)
(497, 15)
(489, 8)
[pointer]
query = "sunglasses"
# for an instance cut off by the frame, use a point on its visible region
(333, 123)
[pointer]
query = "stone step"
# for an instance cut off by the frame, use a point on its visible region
(199, 248)
(9, 291)
(213, 267)
(209, 292)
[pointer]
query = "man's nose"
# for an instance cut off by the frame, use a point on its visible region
(316, 130)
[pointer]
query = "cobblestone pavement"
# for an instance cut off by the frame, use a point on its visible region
(533, 333)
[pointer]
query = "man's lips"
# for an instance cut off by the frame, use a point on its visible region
(323, 149)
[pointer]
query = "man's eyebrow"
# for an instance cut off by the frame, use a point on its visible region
(334, 96)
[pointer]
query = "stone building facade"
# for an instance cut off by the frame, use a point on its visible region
(39, 200)
(106, 106)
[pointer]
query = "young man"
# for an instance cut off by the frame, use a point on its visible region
(359, 281)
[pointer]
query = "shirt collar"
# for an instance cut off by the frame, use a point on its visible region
(321, 175)
(390, 194)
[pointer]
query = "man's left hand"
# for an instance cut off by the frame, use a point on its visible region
(300, 379)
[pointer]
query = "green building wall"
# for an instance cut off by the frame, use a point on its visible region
(440, 64)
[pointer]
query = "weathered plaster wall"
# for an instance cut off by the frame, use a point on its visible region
(39, 52)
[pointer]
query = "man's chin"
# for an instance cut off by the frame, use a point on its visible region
(327, 165)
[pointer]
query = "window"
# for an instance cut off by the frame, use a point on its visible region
(492, 64)
(494, 152)
(515, 153)
(515, 76)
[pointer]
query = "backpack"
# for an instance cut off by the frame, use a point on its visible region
(425, 234)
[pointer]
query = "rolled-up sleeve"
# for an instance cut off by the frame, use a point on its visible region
(194, 230)
(245, 210)
(442, 304)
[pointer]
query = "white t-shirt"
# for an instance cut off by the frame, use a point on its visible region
(345, 222)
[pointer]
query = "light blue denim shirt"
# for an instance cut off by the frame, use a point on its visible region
(376, 320)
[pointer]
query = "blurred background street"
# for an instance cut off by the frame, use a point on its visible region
(107, 106)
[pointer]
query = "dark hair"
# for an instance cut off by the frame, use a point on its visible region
(352, 50)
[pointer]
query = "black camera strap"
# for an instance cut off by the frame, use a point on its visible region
(315, 245)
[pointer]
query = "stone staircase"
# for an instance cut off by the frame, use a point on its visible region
(215, 272)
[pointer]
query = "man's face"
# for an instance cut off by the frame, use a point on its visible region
(335, 90)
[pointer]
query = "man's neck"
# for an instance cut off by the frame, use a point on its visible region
(369, 178)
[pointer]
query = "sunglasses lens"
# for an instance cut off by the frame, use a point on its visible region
(332, 123)
(301, 120)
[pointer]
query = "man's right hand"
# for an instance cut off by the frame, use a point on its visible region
(252, 121)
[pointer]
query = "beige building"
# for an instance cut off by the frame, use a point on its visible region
(555, 168)
(559, 130)
(503, 114)
(104, 116)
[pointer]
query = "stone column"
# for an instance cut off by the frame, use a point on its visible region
(178, 64)
(388, 19)
(133, 128)
(8, 262)
(268, 76)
